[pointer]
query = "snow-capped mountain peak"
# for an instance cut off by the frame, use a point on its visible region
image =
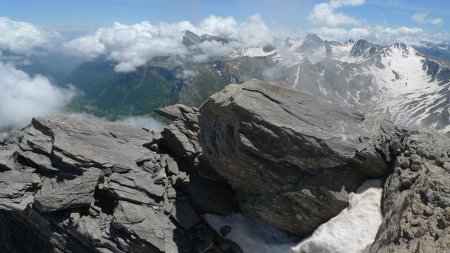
(364, 49)
(410, 86)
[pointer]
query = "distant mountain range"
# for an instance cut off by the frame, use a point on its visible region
(409, 84)
(441, 50)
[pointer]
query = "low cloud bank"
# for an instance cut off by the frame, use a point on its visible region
(147, 122)
(144, 121)
(132, 46)
(23, 97)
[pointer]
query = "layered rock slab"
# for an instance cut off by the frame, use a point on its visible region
(85, 185)
(292, 157)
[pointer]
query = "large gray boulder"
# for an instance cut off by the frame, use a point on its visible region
(292, 157)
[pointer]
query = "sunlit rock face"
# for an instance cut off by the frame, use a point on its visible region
(292, 157)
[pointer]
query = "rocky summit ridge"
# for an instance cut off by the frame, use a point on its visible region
(282, 155)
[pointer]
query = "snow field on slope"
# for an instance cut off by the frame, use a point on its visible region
(410, 98)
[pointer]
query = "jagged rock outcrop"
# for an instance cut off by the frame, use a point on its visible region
(291, 156)
(83, 185)
(181, 137)
(416, 204)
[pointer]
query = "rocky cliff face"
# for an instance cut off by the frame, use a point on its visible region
(416, 204)
(287, 157)
(77, 185)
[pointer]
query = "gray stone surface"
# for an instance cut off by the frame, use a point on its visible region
(6, 159)
(15, 190)
(291, 156)
(150, 226)
(78, 192)
(136, 187)
(80, 143)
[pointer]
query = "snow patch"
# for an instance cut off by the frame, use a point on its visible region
(252, 235)
(256, 52)
(297, 77)
(353, 229)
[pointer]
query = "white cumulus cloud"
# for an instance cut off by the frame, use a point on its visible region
(422, 18)
(325, 13)
(21, 37)
(132, 46)
(143, 121)
(23, 97)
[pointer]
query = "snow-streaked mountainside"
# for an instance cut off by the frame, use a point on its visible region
(409, 86)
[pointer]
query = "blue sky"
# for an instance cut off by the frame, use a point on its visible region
(90, 14)
(89, 25)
